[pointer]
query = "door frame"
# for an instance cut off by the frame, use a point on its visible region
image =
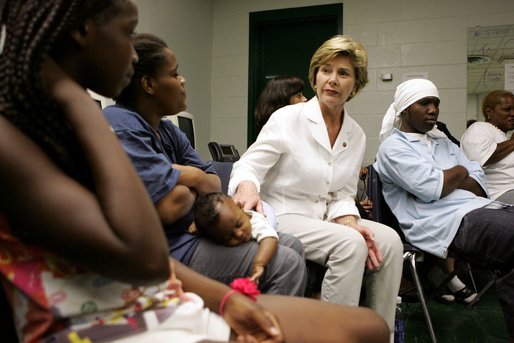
(263, 19)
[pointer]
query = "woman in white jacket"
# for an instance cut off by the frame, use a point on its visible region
(305, 164)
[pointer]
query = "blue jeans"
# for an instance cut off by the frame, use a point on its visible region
(486, 237)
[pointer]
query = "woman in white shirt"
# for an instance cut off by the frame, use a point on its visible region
(489, 144)
(305, 164)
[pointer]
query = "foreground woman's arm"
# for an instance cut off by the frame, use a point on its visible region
(300, 319)
(115, 221)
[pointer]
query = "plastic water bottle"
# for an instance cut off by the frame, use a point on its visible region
(399, 323)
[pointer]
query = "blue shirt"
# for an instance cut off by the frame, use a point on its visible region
(412, 180)
(153, 158)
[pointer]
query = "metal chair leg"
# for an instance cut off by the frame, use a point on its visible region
(412, 259)
(482, 291)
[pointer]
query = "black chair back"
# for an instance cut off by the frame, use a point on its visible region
(223, 169)
(381, 212)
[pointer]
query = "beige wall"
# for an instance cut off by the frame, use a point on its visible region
(401, 36)
(187, 28)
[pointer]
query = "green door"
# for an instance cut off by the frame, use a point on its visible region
(282, 42)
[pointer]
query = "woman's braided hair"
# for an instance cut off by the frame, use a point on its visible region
(32, 29)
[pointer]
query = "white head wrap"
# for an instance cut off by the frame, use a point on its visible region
(406, 94)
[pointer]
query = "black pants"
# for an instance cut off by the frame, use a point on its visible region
(486, 237)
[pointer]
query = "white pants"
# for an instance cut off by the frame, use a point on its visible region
(190, 323)
(344, 252)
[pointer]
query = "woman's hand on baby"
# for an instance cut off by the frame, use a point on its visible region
(247, 197)
(251, 322)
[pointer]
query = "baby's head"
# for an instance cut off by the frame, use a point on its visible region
(219, 218)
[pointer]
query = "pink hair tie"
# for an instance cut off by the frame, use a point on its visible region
(241, 285)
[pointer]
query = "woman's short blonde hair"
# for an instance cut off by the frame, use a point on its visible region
(344, 46)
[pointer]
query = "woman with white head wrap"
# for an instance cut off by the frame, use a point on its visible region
(406, 94)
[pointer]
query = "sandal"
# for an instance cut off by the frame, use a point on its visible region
(465, 295)
(444, 296)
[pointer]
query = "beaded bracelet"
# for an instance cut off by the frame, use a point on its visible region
(241, 285)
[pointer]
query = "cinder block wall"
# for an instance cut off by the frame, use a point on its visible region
(210, 38)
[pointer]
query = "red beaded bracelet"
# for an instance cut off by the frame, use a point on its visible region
(241, 285)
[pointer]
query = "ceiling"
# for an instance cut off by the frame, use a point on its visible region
(489, 49)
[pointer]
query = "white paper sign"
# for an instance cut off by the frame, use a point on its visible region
(509, 77)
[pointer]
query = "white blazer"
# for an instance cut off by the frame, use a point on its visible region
(297, 171)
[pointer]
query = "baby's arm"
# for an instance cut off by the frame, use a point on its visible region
(267, 248)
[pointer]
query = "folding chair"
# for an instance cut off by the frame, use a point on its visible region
(382, 214)
(223, 169)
